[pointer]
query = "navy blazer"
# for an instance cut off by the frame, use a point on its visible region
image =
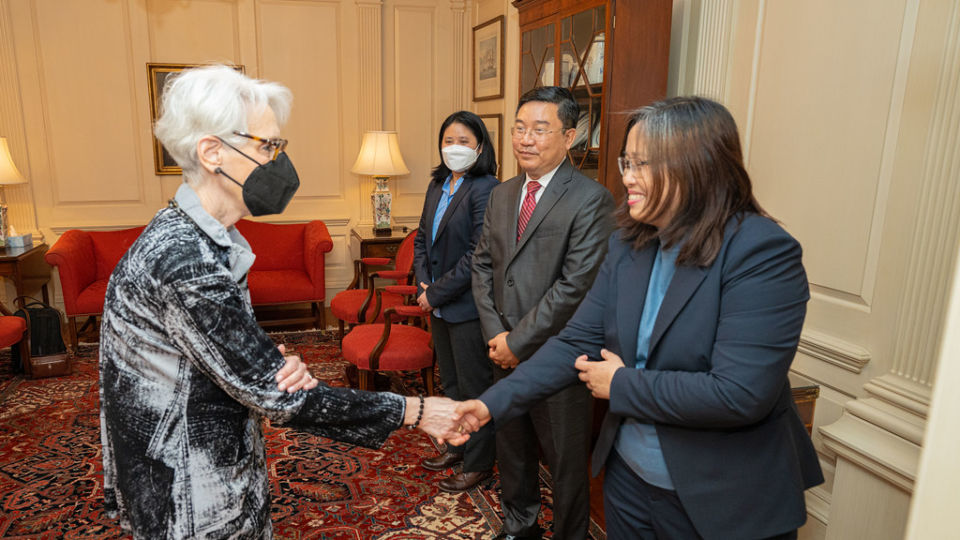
(715, 385)
(448, 257)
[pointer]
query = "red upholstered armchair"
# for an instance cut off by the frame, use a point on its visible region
(85, 260)
(356, 305)
(391, 345)
(289, 268)
(13, 330)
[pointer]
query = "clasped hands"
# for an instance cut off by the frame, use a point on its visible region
(451, 421)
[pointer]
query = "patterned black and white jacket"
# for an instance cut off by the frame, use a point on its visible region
(186, 376)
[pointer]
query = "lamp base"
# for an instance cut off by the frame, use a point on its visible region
(383, 232)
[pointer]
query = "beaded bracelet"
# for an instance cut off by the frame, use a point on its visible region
(419, 414)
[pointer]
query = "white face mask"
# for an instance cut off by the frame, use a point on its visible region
(459, 158)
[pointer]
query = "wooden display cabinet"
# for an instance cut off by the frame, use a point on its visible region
(612, 54)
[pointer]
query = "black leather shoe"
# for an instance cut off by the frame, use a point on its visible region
(463, 481)
(507, 536)
(442, 462)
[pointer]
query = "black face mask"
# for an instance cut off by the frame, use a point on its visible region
(269, 187)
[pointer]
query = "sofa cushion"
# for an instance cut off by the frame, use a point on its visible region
(281, 286)
(90, 299)
(277, 247)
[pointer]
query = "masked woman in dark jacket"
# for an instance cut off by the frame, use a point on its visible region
(450, 227)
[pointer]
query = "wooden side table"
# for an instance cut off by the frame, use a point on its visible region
(26, 267)
(373, 245)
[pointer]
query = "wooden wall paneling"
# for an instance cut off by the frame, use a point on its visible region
(324, 117)
(202, 32)
(795, 162)
(371, 77)
(77, 150)
(420, 96)
(313, 73)
(19, 198)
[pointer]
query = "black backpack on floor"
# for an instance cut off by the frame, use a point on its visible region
(48, 352)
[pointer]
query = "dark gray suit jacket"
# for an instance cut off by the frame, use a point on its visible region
(532, 287)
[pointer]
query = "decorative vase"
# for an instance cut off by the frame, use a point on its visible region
(381, 199)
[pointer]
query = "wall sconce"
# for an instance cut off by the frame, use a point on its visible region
(9, 174)
(380, 158)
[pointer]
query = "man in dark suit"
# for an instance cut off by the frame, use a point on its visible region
(544, 236)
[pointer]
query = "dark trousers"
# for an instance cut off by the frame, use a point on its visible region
(635, 509)
(561, 424)
(465, 372)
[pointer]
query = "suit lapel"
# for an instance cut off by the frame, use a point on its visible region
(458, 195)
(633, 277)
(554, 191)
(686, 280)
(512, 212)
(430, 208)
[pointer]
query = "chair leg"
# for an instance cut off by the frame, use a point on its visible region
(24, 349)
(340, 327)
(427, 375)
(72, 324)
(365, 379)
(353, 380)
(323, 315)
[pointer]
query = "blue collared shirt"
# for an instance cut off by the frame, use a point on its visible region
(442, 205)
(637, 442)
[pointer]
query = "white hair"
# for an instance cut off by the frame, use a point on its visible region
(213, 100)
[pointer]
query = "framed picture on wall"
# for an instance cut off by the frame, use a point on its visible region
(488, 60)
(158, 75)
(494, 123)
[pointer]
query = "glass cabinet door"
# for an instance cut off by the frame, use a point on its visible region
(581, 52)
(569, 51)
(537, 57)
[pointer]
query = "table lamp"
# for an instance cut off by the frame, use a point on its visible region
(9, 174)
(380, 158)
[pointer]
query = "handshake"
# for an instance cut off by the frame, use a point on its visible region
(447, 420)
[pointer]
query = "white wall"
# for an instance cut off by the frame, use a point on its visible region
(75, 104)
(848, 114)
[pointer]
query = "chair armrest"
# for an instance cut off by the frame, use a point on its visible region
(76, 263)
(316, 242)
(397, 275)
(396, 314)
(405, 290)
(376, 261)
(408, 311)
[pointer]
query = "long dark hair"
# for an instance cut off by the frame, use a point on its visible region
(487, 160)
(696, 168)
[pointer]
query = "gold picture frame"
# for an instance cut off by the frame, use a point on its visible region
(488, 59)
(494, 124)
(158, 75)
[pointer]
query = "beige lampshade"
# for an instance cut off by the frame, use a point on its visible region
(9, 174)
(380, 155)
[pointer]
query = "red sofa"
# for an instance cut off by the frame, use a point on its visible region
(289, 267)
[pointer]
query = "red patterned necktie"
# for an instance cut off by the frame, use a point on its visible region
(529, 203)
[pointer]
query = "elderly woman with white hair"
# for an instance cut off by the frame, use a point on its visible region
(186, 373)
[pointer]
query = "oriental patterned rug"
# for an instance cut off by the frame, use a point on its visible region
(51, 476)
